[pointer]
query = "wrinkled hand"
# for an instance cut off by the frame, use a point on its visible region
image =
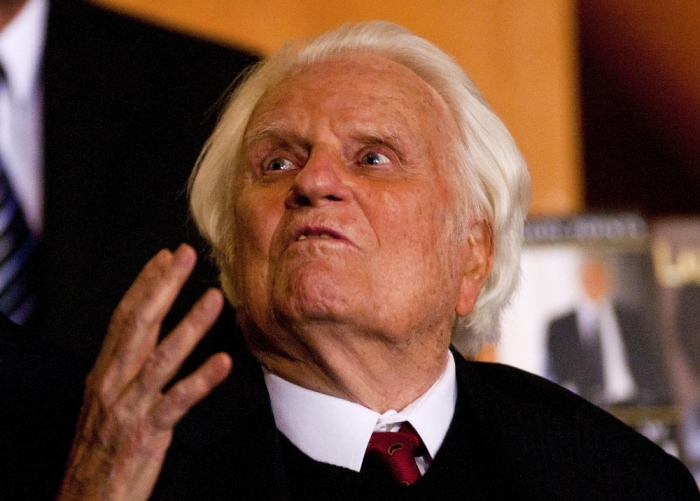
(126, 422)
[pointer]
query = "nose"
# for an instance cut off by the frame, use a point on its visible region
(319, 181)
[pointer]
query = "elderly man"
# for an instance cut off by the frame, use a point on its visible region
(364, 206)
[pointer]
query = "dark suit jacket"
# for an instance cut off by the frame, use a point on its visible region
(644, 355)
(40, 394)
(513, 436)
(127, 108)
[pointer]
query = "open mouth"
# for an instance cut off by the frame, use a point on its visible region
(321, 233)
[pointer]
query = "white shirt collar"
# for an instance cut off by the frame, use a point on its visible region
(336, 431)
(21, 48)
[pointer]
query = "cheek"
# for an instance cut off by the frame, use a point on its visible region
(417, 269)
(409, 236)
(418, 233)
(412, 222)
(258, 215)
(257, 219)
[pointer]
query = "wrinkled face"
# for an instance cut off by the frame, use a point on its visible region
(344, 204)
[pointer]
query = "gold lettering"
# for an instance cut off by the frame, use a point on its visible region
(684, 270)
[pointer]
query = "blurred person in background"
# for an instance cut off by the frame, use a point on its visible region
(101, 119)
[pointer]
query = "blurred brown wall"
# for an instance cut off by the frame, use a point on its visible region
(640, 94)
(522, 55)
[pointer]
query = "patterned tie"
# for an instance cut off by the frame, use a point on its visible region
(394, 454)
(17, 245)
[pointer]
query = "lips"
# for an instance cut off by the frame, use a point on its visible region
(317, 232)
(322, 235)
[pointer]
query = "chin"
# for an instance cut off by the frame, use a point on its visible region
(312, 297)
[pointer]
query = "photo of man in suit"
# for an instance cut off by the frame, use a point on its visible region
(604, 350)
(365, 207)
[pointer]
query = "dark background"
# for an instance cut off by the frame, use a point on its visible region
(640, 100)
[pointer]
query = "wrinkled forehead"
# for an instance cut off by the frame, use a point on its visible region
(365, 87)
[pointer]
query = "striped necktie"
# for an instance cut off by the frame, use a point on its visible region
(17, 245)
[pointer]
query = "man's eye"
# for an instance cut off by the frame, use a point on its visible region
(279, 164)
(374, 158)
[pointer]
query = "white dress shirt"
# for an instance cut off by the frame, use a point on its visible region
(21, 103)
(337, 431)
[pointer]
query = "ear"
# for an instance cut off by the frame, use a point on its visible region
(477, 258)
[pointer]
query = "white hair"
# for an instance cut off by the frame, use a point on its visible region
(491, 182)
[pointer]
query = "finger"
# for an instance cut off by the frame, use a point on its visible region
(135, 325)
(163, 362)
(186, 393)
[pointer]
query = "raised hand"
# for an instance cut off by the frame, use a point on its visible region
(126, 422)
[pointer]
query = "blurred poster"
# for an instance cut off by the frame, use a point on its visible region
(675, 249)
(590, 315)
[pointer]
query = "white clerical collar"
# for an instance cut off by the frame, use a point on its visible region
(21, 47)
(336, 431)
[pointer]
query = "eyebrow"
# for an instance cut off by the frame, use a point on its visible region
(366, 134)
(278, 128)
(370, 135)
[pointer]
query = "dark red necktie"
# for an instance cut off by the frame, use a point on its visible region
(394, 454)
